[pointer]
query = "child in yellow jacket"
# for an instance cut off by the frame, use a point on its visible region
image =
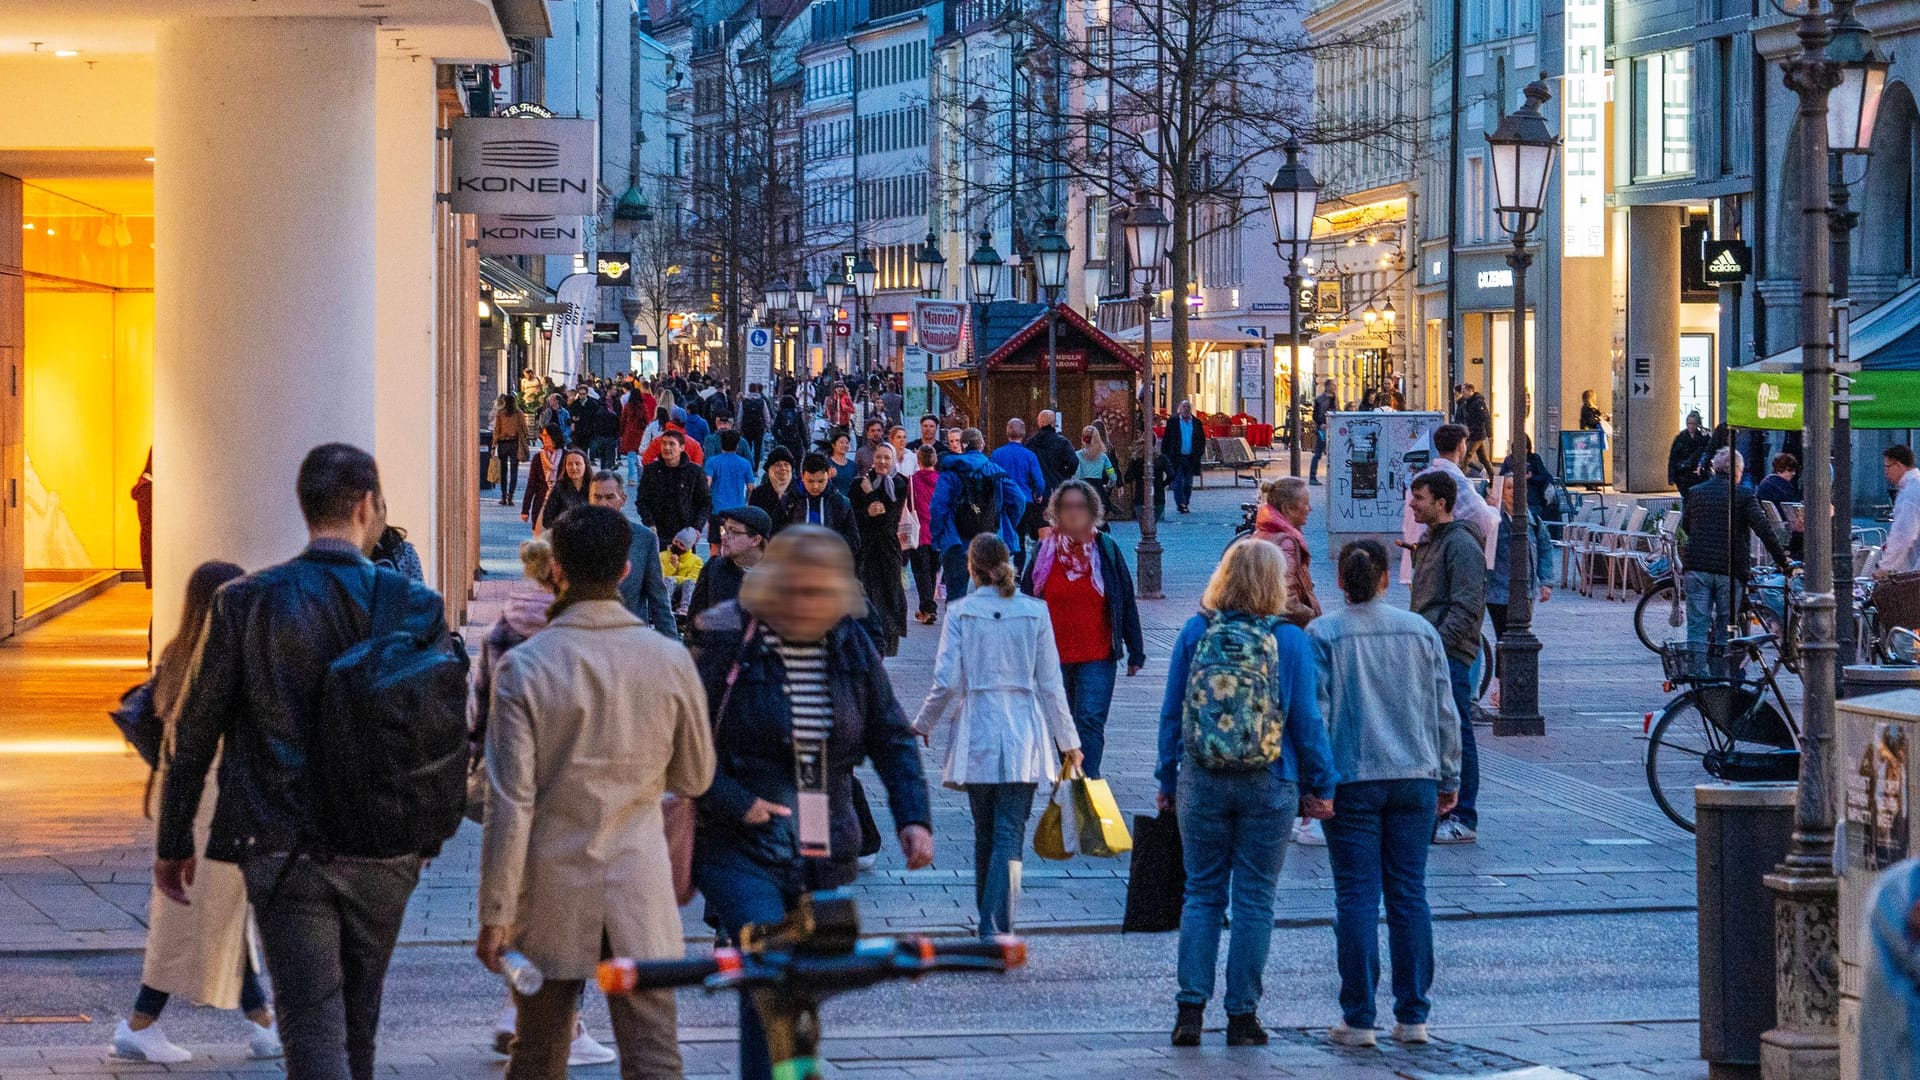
(682, 568)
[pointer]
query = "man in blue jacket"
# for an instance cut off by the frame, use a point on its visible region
(1023, 465)
(972, 496)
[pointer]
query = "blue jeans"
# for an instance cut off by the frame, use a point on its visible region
(633, 471)
(1233, 833)
(1710, 606)
(1377, 844)
(1089, 695)
(1000, 813)
(1182, 486)
(739, 891)
(953, 571)
(1461, 676)
(1319, 451)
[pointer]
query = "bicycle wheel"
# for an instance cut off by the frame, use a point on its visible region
(1681, 739)
(1661, 615)
(1486, 669)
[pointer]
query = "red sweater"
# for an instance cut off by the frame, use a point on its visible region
(1081, 630)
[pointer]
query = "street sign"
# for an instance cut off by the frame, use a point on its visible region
(1640, 379)
(759, 356)
(1725, 262)
(913, 382)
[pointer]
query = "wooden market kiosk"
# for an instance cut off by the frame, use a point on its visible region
(1099, 378)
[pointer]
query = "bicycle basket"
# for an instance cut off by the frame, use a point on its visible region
(1896, 600)
(1689, 662)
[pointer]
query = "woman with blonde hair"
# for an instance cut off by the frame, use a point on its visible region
(1240, 736)
(201, 949)
(998, 673)
(799, 697)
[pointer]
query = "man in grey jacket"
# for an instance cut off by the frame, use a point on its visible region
(644, 589)
(1449, 591)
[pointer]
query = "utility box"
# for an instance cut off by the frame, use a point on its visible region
(1874, 780)
(1742, 832)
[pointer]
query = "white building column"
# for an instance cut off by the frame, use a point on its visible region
(406, 436)
(1653, 343)
(264, 185)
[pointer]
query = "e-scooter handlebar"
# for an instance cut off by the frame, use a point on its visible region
(872, 960)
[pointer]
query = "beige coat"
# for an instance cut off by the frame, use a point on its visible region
(593, 720)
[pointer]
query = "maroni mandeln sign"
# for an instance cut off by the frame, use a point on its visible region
(523, 165)
(938, 325)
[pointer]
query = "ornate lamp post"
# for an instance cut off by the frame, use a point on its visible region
(803, 312)
(1294, 196)
(1051, 253)
(1839, 94)
(832, 288)
(779, 294)
(933, 268)
(1522, 150)
(983, 280)
(865, 277)
(1148, 231)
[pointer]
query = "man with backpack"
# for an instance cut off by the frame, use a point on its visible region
(972, 496)
(331, 793)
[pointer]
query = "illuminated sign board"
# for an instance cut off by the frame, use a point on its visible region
(1494, 279)
(1583, 157)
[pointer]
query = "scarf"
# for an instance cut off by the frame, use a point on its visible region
(1072, 557)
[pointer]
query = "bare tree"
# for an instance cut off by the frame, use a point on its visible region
(659, 272)
(1187, 99)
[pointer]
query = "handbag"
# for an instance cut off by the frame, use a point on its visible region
(1053, 840)
(1157, 880)
(677, 820)
(139, 723)
(1096, 817)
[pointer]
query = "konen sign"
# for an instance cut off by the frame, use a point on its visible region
(523, 165)
(530, 234)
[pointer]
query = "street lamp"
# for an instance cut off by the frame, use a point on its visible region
(1051, 253)
(1839, 94)
(865, 277)
(803, 310)
(1294, 196)
(834, 288)
(933, 268)
(1522, 150)
(983, 270)
(778, 295)
(1148, 230)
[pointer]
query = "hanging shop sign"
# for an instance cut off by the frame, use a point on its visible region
(938, 325)
(523, 165)
(1725, 262)
(613, 270)
(1329, 295)
(606, 333)
(1493, 279)
(530, 234)
(1583, 92)
(524, 108)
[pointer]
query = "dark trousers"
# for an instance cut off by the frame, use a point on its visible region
(1319, 451)
(645, 1029)
(508, 454)
(604, 450)
(1089, 695)
(328, 930)
(926, 571)
(953, 570)
(1460, 674)
(1497, 614)
(1377, 845)
(1000, 813)
(1183, 474)
(150, 1002)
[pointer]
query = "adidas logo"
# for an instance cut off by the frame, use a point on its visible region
(1724, 263)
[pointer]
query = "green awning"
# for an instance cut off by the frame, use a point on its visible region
(1772, 400)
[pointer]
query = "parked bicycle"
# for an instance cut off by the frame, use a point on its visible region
(1767, 606)
(791, 967)
(1726, 724)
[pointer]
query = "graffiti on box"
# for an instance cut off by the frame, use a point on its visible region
(1371, 458)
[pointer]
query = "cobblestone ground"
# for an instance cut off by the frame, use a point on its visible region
(1567, 825)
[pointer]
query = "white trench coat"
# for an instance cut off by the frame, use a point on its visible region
(999, 670)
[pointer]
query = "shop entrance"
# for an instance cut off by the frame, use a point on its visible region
(82, 343)
(1487, 339)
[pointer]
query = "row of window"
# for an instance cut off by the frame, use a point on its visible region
(829, 139)
(829, 77)
(1486, 20)
(897, 129)
(893, 196)
(893, 64)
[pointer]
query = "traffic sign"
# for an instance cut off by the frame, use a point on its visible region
(759, 355)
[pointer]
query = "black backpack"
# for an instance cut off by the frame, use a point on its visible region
(976, 506)
(387, 756)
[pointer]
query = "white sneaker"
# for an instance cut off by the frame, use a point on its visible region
(147, 1044)
(1410, 1034)
(1454, 831)
(586, 1051)
(263, 1043)
(867, 862)
(1342, 1035)
(1307, 833)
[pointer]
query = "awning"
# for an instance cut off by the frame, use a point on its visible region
(1221, 330)
(516, 293)
(1884, 339)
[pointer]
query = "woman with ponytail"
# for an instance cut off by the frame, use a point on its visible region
(999, 671)
(1388, 704)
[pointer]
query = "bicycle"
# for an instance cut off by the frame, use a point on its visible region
(1766, 607)
(1724, 726)
(791, 967)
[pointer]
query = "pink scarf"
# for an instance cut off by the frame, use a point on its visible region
(1073, 558)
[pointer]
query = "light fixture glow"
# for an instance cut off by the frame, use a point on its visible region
(149, 159)
(64, 53)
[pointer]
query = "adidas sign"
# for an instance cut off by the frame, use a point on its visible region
(1724, 263)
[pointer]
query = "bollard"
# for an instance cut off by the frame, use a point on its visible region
(1742, 832)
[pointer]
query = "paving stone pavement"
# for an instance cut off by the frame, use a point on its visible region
(1567, 824)
(1596, 1051)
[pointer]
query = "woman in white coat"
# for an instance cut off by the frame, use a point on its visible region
(997, 668)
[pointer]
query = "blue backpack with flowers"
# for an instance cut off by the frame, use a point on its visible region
(1232, 720)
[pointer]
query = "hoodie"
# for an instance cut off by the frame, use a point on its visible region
(522, 616)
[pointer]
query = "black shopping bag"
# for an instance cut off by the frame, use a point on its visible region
(1157, 883)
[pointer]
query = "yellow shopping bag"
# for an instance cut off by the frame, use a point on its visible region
(1103, 832)
(1058, 837)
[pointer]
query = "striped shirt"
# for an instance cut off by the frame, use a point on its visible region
(808, 696)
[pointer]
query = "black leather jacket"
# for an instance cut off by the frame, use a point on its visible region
(270, 638)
